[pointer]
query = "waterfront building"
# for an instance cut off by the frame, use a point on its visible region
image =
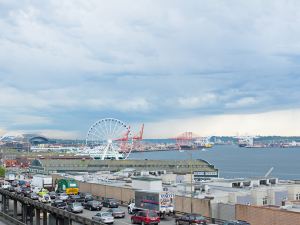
(79, 164)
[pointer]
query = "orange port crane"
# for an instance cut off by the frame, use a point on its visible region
(139, 135)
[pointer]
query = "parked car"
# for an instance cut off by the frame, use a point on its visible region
(93, 205)
(235, 222)
(45, 198)
(74, 198)
(5, 186)
(34, 196)
(117, 212)
(85, 194)
(110, 203)
(60, 204)
(104, 217)
(52, 194)
(11, 189)
(87, 199)
(26, 191)
(75, 207)
(35, 189)
(14, 183)
(190, 219)
(63, 196)
(18, 190)
(145, 217)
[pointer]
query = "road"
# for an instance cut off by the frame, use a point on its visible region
(168, 220)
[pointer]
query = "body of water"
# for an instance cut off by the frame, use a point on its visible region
(233, 161)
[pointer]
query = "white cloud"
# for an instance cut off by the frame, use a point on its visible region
(22, 120)
(284, 122)
(60, 134)
(243, 102)
(198, 101)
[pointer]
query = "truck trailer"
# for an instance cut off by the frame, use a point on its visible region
(69, 186)
(41, 181)
(162, 202)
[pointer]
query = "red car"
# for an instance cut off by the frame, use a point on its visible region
(145, 217)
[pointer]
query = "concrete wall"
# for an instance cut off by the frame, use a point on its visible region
(182, 204)
(201, 206)
(280, 196)
(223, 211)
(120, 193)
(292, 191)
(266, 216)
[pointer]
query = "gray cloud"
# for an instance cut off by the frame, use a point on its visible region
(147, 62)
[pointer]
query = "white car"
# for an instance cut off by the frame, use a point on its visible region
(63, 196)
(35, 189)
(45, 198)
(104, 217)
(5, 186)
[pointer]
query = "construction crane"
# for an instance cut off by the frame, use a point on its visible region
(137, 140)
(139, 135)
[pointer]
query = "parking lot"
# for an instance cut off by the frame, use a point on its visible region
(126, 220)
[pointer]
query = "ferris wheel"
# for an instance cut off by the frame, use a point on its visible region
(109, 138)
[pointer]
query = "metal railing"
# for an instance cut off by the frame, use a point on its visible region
(50, 209)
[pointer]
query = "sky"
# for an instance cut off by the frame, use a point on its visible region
(208, 66)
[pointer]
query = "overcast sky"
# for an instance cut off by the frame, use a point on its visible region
(211, 67)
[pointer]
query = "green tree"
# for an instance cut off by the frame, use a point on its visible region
(2, 171)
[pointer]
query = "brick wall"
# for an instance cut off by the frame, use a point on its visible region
(266, 216)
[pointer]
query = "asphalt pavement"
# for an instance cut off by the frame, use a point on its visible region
(168, 220)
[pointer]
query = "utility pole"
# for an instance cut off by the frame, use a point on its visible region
(191, 176)
(191, 171)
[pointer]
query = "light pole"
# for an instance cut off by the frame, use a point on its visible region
(191, 176)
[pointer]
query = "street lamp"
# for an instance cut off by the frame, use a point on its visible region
(191, 176)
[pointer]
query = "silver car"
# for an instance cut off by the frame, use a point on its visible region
(75, 207)
(63, 196)
(104, 217)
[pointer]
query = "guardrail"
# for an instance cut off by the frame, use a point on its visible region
(11, 219)
(50, 209)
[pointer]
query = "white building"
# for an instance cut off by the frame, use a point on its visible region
(147, 183)
(259, 192)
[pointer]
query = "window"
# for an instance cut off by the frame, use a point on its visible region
(298, 196)
(265, 201)
(140, 213)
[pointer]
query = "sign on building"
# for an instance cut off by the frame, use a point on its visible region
(205, 175)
